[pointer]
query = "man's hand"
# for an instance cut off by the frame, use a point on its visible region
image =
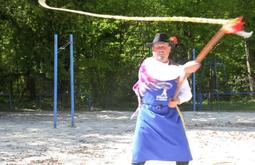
(191, 67)
(173, 103)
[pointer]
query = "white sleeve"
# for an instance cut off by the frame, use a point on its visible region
(185, 92)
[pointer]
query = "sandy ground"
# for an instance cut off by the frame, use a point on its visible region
(105, 138)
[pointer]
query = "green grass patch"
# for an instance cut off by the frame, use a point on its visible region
(238, 106)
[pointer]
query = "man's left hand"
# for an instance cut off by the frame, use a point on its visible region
(191, 67)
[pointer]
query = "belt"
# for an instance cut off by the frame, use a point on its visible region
(160, 109)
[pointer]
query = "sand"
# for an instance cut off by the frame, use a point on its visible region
(105, 138)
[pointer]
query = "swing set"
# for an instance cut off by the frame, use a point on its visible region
(56, 52)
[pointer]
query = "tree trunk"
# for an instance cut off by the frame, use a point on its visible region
(31, 85)
(248, 65)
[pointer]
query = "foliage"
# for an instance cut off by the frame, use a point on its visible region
(108, 52)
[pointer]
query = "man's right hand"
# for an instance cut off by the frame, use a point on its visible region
(173, 103)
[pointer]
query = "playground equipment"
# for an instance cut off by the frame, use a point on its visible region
(194, 83)
(56, 51)
(211, 91)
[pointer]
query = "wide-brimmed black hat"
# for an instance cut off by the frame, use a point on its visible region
(163, 37)
(159, 37)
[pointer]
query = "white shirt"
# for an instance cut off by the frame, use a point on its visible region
(164, 72)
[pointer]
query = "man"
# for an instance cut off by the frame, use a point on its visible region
(159, 133)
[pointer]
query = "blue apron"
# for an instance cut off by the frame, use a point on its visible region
(159, 133)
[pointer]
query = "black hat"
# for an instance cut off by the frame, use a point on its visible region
(159, 37)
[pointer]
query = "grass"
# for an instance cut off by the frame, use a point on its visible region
(245, 105)
(231, 106)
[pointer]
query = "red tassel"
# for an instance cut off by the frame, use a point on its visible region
(233, 26)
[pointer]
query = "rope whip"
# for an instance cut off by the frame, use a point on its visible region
(127, 18)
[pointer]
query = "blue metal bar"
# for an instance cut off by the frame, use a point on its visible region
(71, 79)
(55, 79)
(194, 82)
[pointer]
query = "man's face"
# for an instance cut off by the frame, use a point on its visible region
(160, 51)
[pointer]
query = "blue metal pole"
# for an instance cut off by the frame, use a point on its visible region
(194, 81)
(71, 79)
(55, 79)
